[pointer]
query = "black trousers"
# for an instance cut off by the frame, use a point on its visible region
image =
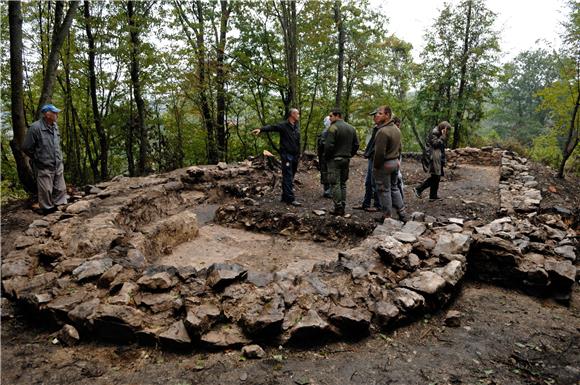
(432, 183)
(289, 168)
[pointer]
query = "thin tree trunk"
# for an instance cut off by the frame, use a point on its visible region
(25, 173)
(59, 34)
(462, 80)
(103, 140)
(572, 139)
(287, 18)
(135, 80)
(220, 80)
(341, 42)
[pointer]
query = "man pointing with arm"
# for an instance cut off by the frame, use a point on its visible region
(289, 131)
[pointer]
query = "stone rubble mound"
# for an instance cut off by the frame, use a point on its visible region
(93, 266)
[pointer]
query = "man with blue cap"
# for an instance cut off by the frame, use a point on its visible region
(42, 145)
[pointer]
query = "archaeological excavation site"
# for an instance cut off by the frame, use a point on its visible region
(208, 258)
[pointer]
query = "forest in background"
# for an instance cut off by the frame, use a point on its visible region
(150, 86)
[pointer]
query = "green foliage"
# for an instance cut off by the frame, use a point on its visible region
(459, 67)
(515, 114)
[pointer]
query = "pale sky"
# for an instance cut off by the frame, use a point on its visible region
(520, 22)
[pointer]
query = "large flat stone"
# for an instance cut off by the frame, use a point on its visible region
(425, 282)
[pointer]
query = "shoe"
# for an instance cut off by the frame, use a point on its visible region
(326, 194)
(371, 209)
(434, 199)
(382, 218)
(403, 217)
(417, 192)
(360, 207)
(338, 211)
(46, 211)
(295, 203)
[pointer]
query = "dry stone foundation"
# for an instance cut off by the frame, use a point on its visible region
(93, 267)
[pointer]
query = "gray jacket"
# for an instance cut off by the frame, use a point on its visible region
(42, 144)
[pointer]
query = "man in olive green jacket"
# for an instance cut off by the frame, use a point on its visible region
(341, 144)
(386, 163)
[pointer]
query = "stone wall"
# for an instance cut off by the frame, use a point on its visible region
(91, 266)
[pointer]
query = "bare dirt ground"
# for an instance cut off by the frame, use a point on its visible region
(505, 337)
(469, 191)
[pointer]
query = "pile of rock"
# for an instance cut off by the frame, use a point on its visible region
(537, 255)
(93, 267)
(517, 187)
(485, 156)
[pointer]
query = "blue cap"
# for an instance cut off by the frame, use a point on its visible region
(49, 107)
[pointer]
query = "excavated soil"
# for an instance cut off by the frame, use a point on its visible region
(504, 337)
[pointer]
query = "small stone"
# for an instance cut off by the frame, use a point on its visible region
(158, 281)
(79, 207)
(225, 336)
(176, 334)
(222, 165)
(457, 221)
(109, 276)
(453, 228)
(425, 282)
(319, 212)
(253, 351)
(414, 227)
(418, 216)
(404, 237)
(454, 243)
(68, 335)
(125, 295)
(453, 319)
(566, 252)
(222, 274)
(408, 300)
(92, 268)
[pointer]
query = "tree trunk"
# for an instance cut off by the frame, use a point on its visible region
(287, 18)
(341, 42)
(220, 80)
(17, 97)
(135, 80)
(103, 140)
(462, 80)
(572, 139)
(59, 34)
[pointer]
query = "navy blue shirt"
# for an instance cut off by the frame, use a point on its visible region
(289, 136)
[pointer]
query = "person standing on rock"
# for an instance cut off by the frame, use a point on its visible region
(42, 145)
(289, 131)
(386, 163)
(326, 193)
(370, 185)
(341, 144)
(436, 154)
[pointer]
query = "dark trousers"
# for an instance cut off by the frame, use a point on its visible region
(323, 172)
(289, 167)
(337, 178)
(370, 188)
(432, 183)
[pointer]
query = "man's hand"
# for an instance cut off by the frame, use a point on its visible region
(256, 131)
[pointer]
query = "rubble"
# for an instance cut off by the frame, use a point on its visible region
(96, 268)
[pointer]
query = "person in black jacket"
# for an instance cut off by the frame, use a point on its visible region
(289, 131)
